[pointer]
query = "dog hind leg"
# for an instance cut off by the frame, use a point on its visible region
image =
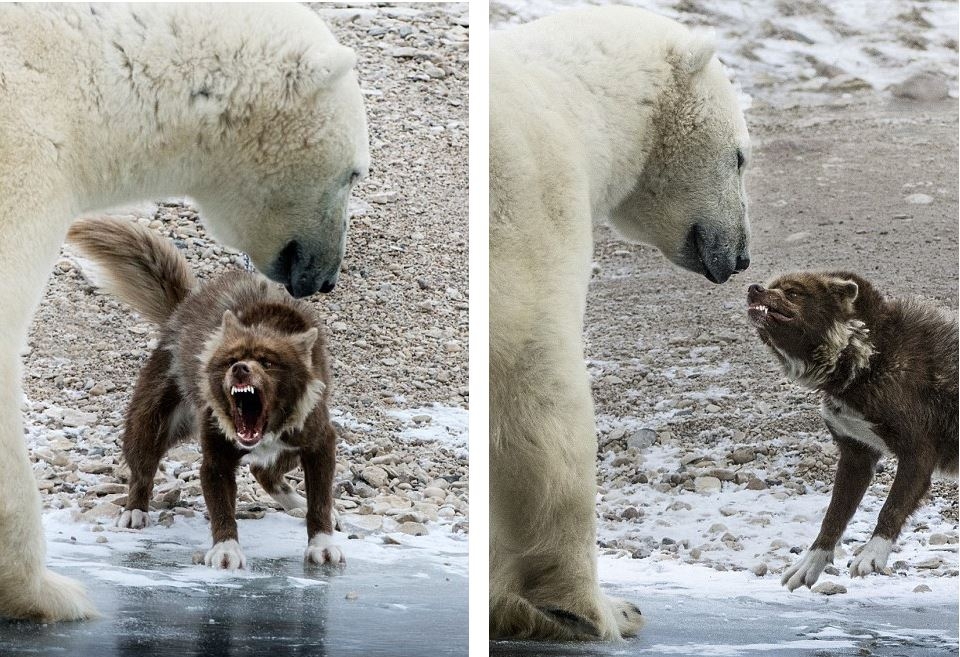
(275, 484)
(157, 418)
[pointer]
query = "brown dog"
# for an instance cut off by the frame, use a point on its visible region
(240, 362)
(887, 369)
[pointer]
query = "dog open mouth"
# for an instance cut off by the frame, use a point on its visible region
(249, 414)
(760, 313)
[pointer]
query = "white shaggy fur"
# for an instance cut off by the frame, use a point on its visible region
(225, 555)
(253, 111)
(322, 549)
(807, 570)
(872, 557)
(600, 113)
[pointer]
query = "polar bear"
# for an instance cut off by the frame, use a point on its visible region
(253, 111)
(598, 113)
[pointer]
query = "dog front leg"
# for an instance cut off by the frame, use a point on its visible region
(854, 473)
(909, 486)
(319, 464)
(218, 479)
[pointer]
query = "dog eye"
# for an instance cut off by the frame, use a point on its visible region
(266, 364)
(740, 159)
(793, 294)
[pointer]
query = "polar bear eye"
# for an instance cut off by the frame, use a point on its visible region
(740, 159)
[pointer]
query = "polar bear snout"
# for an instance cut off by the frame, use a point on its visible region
(714, 254)
(304, 270)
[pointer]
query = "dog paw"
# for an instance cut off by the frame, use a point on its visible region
(289, 499)
(872, 558)
(226, 555)
(321, 550)
(629, 616)
(807, 571)
(133, 519)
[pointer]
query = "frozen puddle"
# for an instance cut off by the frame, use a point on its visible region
(391, 600)
(687, 625)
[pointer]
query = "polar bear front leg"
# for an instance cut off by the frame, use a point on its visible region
(28, 249)
(27, 589)
(542, 489)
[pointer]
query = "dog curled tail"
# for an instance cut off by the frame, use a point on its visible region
(138, 267)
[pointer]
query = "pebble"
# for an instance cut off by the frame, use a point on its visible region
(922, 588)
(923, 86)
(756, 484)
(706, 484)
(743, 455)
(413, 529)
(941, 539)
(930, 564)
(74, 418)
(919, 199)
(759, 569)
(433, 491)
(642, 439)
(375, 476)
(829, 588)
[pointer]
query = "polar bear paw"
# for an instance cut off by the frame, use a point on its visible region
(225, 555)
(133, 519)
(51, 598)
(872, 558)
(322, 549)
(807, 571)
(629, 617)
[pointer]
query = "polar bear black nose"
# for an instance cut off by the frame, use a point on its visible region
(743, 262)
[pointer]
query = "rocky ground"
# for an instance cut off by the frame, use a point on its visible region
(397, 320)
(708, 455)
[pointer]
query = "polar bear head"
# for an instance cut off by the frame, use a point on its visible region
(289, 137)
(689, 200)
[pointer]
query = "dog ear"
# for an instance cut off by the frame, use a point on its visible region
(846, 290)
(230, 326)
(304, 343)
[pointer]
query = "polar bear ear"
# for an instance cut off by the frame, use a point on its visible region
(327, 66)
(700, 51)
(307, 72)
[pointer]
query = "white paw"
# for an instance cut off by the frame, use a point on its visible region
(290, 500)
(872, 558)
(628, 615)
(226, 555)
(321, 549)
(807, 571)
(133, 519)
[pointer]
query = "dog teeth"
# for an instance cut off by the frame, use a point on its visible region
(235, 389)
(762, 308)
